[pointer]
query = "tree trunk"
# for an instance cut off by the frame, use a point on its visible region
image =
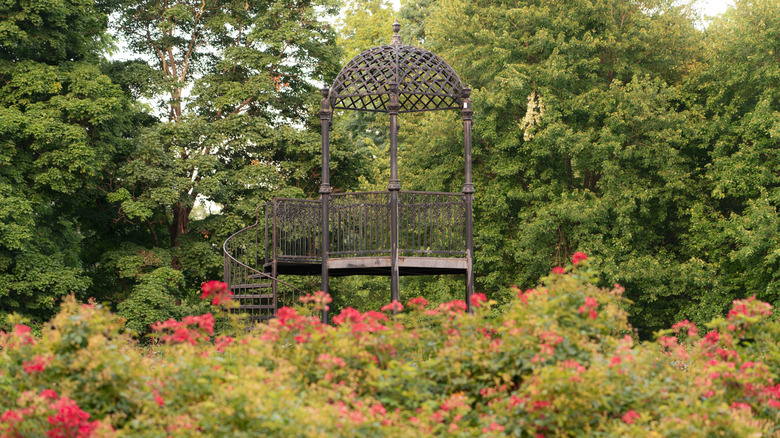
(178, 226)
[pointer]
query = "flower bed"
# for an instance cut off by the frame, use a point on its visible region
(560, 359)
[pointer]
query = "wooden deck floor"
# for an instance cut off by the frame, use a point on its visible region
(373, 266)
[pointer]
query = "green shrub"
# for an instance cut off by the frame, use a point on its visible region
(559, 360)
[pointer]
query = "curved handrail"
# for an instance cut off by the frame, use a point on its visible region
(227, 254)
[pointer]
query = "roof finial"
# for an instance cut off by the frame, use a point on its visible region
(396, 38)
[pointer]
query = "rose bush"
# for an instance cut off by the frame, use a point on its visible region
(559, 360)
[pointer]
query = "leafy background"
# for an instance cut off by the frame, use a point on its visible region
(636, 131)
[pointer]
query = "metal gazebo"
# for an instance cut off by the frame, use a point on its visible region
(391, 232)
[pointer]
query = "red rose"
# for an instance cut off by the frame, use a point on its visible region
(578, 257)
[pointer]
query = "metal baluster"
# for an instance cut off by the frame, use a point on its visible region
(403, 211)
(408, 210)
(374, 223)
(435, 224)
(295, 228)
(300, 232)
(428, 223)
(451, 233)
(376, 212)
(349, 242)
(442, 224)
(414, 227)
(340, 233)
(440, 221)
(420, 222)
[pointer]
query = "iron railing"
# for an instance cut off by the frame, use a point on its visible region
(295, 230)
(290, 230)
(431, 224)
(359, 224)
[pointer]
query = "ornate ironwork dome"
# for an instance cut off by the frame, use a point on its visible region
(422, 80)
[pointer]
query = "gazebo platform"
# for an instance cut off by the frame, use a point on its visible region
(372, 266)
(391, 232)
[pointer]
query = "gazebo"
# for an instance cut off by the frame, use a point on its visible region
(390, 233)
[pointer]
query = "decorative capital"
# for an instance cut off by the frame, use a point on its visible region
(394, 186)
(394, 106)
(396, 38)
(466, 92)
(468, 189)
(325, 114)
(325, 189)
(466, 110)
(325, 103)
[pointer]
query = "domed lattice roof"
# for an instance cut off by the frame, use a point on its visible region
(424, 81)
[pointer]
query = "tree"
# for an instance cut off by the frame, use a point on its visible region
(364, 24)
(60, 123)
(414, 16)
(584, 140)
(249, 66)
(234, 87)
(735, 225)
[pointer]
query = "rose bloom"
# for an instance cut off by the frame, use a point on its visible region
(578, 257)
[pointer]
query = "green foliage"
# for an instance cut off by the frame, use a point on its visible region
(153, 290)
(232, 83)
(585, 138)
(414, 15)
(50, 32)
(364, 24)
(59, 118)
(157, 297)
(558, 360)
(617, 127)
(734, 227)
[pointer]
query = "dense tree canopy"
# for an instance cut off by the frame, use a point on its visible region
(59, 119)
(624, 128)
(734, 223)
(614, 127)
(233, 82)
(582, 139)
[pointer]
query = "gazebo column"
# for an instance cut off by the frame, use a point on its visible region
(394, 187)
(468, 192)
(325, 190)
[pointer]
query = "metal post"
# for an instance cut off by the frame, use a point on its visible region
(325, 190)
(468, 192)
(274, 256)
(394, 187)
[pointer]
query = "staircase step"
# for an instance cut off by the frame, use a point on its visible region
(252, 296)
(257, 306)
(250, 286)
(261, 317)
